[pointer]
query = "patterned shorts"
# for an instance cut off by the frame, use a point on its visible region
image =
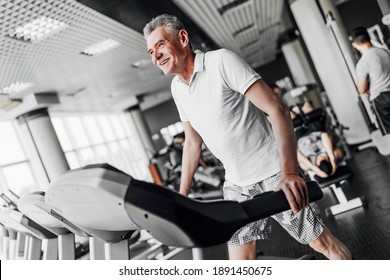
(304, 226)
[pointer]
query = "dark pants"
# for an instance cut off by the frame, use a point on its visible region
(382, 109)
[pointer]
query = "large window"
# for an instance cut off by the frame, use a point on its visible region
(170, 131)
(85, 139)
(15, 169)
(107, 138)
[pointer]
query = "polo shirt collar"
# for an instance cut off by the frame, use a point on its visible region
(198, 64)
(199, 61)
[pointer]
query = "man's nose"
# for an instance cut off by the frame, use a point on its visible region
(156, 56)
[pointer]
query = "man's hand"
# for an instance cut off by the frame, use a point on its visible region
(366, 94)
(295, 190)
(319, 172)
(334, 165)
(183, 192)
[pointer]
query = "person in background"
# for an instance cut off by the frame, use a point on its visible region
(278, 91)
(222, 101)
(317, 152)
(373, 73)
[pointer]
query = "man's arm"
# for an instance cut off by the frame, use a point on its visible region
(306, 164)
(362, 86)
(292, 185)
(328, 144)
(191, 155)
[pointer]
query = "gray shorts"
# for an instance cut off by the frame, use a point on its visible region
(305, 226)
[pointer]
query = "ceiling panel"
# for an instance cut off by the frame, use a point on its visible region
(247, 27)
(56, 63)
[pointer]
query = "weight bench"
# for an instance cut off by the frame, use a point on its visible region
(335, 182)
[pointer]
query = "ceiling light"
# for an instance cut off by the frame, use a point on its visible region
(249, 44)
(37, 29)
(250, 26)
(230, 6)
(16, 88)
(101, 47)
(8, 104)
(141, 63)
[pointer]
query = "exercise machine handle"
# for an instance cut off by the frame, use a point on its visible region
(276, 202)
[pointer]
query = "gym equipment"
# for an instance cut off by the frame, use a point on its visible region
(180, 221)
(301, 94)
(24, 231)
(315, 121)
(382, 142)
(63, 247)
(318, 120)
(37, 229)
(14, 220)
(92, 199)
(336, 126)
(335, 182)
(373, 122)
(207, 179)
(121, 203)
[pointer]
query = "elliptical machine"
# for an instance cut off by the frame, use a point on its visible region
(173, 219)
(207, 178)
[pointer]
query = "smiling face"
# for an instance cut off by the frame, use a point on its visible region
(167, 51)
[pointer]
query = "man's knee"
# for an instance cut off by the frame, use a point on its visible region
(243, 252)
(320, 244)
(325, 242)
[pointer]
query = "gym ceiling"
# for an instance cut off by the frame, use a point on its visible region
(56, 63)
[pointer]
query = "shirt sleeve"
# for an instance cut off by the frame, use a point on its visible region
(361, 69)
(182, 114)
(238, 74)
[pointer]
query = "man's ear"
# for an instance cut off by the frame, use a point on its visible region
(354, 44)
(183, 37)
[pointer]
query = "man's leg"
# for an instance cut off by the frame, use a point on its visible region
(330, 246)
(382, 108)
(242, 245)
(243, 252)
(307, 228)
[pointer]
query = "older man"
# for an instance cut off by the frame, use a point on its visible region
(221, 100)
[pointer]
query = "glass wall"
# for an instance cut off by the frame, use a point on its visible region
(15, 169)
(107, 138)
(85, 139)
(170, 131)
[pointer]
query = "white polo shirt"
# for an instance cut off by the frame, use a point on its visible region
(234, 130)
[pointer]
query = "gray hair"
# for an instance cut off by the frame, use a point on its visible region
(172, 25)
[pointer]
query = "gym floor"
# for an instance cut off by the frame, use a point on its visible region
(365, 231)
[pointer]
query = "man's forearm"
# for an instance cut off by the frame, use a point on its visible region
(362, 85)
(285, 140)
(191, 155)
(304, 161)
(264, 99)
(328, 143)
